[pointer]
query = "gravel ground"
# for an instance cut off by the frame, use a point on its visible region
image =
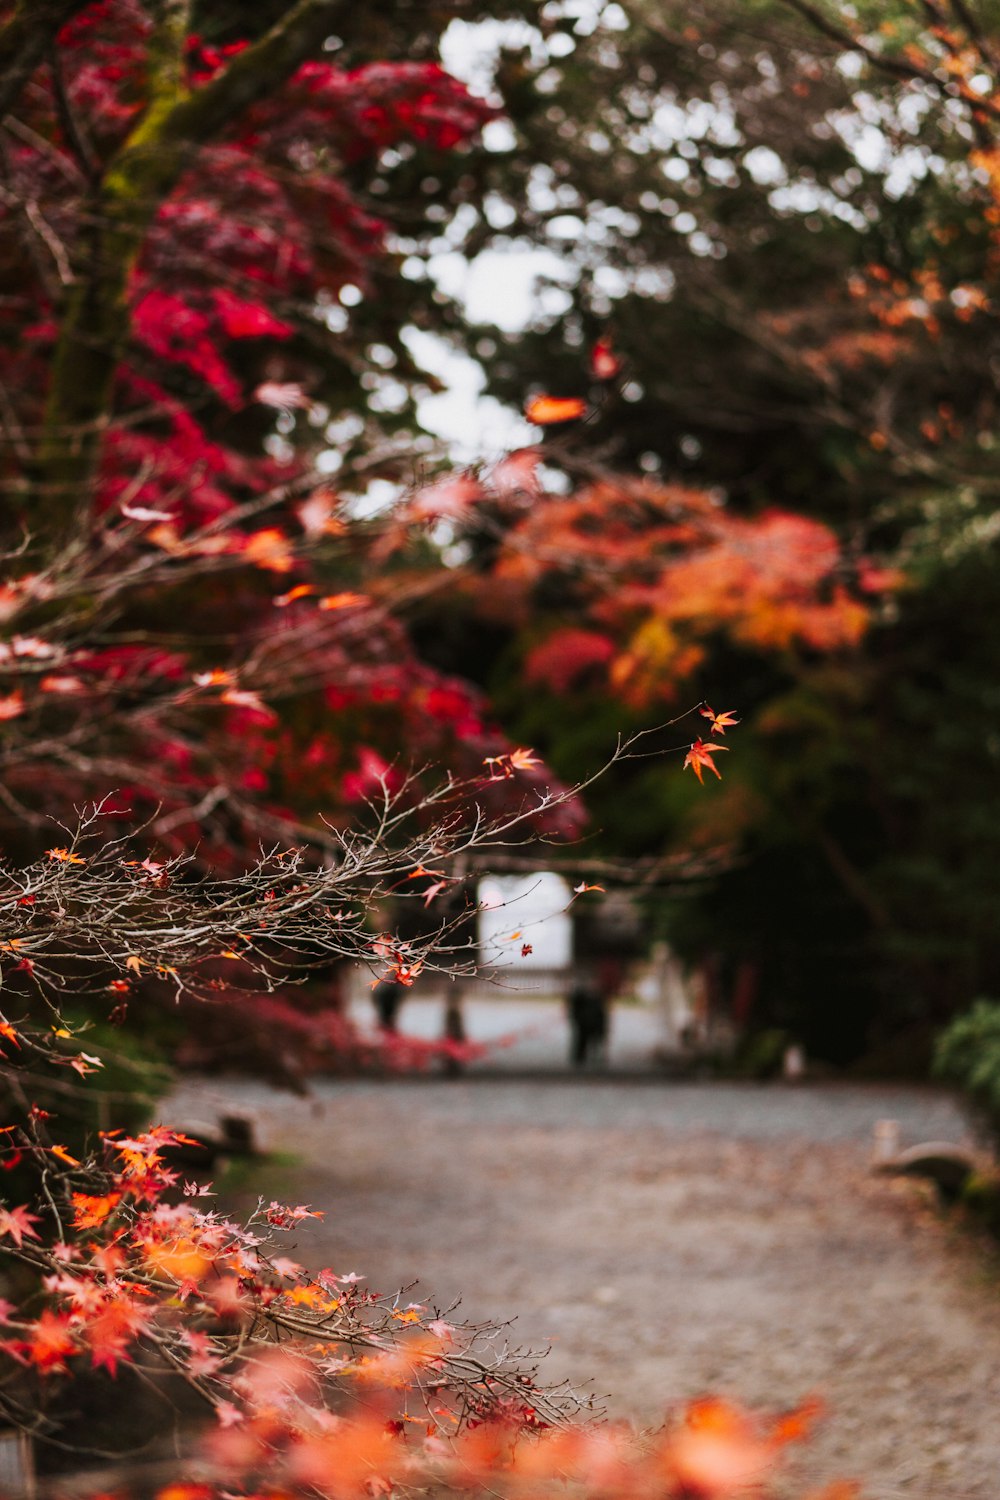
(667, 1239)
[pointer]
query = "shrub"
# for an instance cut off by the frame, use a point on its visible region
(968, 1054)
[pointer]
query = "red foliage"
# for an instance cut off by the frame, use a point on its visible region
(568, 655)
(225, 314)
(653, 572)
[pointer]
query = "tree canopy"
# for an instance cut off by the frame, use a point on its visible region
(777, 228)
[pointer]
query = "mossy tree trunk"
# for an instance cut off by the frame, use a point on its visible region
(129, 192)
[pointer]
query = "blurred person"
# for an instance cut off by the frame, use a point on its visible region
(588, 1019)
(387, 997)
(454, 1031)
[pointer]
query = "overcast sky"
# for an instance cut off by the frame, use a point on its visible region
(499, 286)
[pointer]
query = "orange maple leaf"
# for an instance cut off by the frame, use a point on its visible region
(720, 722)
(310, 1296)
(300, 591)
(546, 410)
(64, 1155)
(719, 1451)
(64, 857)
(93, 1209)
(515, 760)
(50, 1342)
(794, 1425)
(346, 600)
(182, 1259)
(700, 756)
(269, 549)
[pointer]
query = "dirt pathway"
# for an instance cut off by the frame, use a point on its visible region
(666, 1240)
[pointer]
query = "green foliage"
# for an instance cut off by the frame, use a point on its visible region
(763, 1055)
(981, 1198)
(968, 1054)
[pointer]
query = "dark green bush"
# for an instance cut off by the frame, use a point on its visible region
(968, 1054)
(762, 1055)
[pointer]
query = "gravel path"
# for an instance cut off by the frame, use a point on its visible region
(668, 1239)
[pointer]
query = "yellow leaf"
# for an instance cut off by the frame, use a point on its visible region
(64, 857)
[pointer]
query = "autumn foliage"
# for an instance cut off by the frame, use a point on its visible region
(311, 1382)
(225, 763)
(213, 295)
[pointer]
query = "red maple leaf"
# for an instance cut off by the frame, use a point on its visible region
(700, 756)
(405, 974)
(111, 1331)
(604, 362)
(50, 1342)
(17, 1222)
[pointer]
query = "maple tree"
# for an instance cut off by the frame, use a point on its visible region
(180, 218)
(176, 234)
(187, 651)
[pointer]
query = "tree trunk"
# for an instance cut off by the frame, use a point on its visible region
(132, 188)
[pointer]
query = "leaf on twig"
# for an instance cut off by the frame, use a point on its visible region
(546, 411)
(720, 722)
(699, 758)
